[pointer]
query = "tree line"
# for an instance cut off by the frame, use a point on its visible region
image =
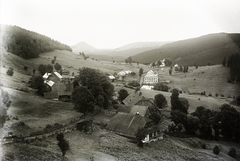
(28, 44)
(234, 64)
(205, 123)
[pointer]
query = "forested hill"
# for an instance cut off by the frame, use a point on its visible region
(28, 44)
(208, 49)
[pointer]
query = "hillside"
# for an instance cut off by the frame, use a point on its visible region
(27, 44)
(208, 49)
(118, 54)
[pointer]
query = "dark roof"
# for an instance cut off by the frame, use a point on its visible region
(123, 108)
(126, 124)
(141, 110)
(63, 89)
(133, 98)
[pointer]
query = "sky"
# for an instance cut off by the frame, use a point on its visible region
(114, 23)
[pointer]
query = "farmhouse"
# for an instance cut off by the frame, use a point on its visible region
(137, 98)
(127, 124)
(150, 78)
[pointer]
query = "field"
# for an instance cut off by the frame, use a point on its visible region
(37, 113)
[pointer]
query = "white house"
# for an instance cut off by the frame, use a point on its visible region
(150, 78)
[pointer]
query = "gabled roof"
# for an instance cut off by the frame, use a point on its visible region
(50, 83)
(140, 110)
(46, 75)
(133, 98)
(147, 87)
(58, 75)
(122, 73)
(111, 77)
(126, 124)
(150, 72)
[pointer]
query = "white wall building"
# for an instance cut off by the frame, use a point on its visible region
(150, 78)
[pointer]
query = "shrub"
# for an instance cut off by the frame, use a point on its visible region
(114, 102)
(161, 87)
(134, 83)
(232, 152)
(222, 95)
(216, 95)
(203, 145)
(216, 150)
(210, 95)
(10, 71)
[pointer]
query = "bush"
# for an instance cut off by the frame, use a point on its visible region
(134, 83)
(216, 95)
(216, 150)
(203, 145)
(10, 72)
(222, 95)
(161, 87)
(210, 95)
(232, 152)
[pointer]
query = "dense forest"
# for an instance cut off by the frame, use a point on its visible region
(28, 44)
(204, 50)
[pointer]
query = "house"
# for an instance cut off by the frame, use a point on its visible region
(137, 98)
(128, 124)
(150, 78)
(112, 78)
(64, 90)
(54, 76)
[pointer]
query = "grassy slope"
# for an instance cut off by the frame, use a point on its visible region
(202, 50)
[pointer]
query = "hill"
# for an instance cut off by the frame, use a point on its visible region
(27, 44)
(141, 45)
(118, 54)
(83, 47)
(208, 49)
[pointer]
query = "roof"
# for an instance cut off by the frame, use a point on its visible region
(141, 110)
(133, 98)
(147, 87)
(126, 124)
(123, 108)
(111, 77)
(63, 88)
(128, 71)
(46, 75)
(122, 73)
(50, 83)
(150, 72)
(58, 75)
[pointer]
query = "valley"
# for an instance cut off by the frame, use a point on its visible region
(37, 113)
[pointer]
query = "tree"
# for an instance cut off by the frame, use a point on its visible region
(83, 99)
(140, 135)
(122, 94)
(5, 103)
(216, 150)
(230, 127)
(25, 68)
(170, 71)
(206, 121)
(159, 63)
(160, 101)
(161, 87)
(34, 71)
(153, 65)
(37, 82)
(178, 117)
(168, 62)
(10, 71)
(57, 67)
(232, 152)
(177, 103)
(224, 62)
(62, 143)
(191, 125)
(42, 69)
(140, 72)
(49, 68)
